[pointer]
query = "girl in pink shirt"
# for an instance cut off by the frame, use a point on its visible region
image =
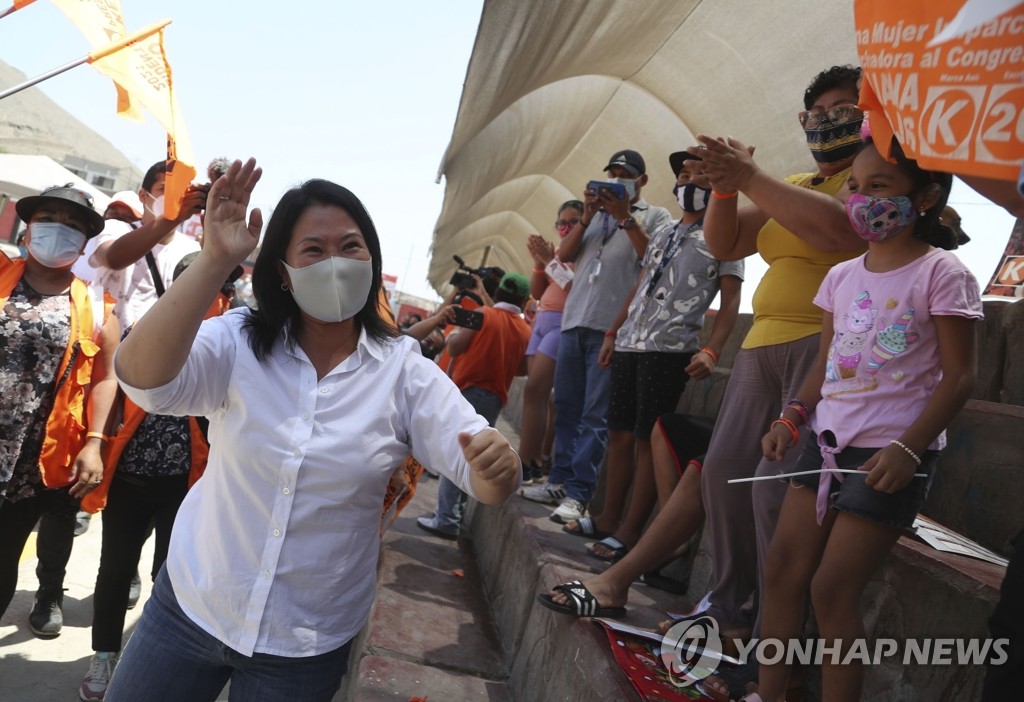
(897, 363)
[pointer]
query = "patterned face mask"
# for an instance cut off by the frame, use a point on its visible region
(879, 218)
(833, 136)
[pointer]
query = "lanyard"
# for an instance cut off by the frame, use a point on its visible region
(671, 248)
(606, 233)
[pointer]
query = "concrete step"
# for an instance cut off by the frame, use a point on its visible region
(431, 634)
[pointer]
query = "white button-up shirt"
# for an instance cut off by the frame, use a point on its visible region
(275, 549)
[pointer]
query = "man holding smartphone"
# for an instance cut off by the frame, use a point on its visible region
(485, 361)
(606, 246)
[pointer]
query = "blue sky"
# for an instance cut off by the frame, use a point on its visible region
(364, 94)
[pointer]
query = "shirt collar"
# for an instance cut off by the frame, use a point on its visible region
(508, 307)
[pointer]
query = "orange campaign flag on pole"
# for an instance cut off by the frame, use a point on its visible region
(143, 78)
(949, 77)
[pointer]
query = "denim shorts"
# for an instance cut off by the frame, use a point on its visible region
(853, 495)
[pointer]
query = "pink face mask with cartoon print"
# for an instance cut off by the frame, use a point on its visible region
(879, 218)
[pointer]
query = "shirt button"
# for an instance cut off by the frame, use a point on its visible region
(323, 391)
(277, 532)
(297, 453)
(266, 574)
(287, 491)
(306, 415)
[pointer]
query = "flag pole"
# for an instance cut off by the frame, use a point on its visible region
(89, 58)
(18, 4)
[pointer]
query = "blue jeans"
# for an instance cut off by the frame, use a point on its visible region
(170, 658)
(451, 501)
(581, 413)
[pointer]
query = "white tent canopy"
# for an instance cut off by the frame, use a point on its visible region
(555, 87)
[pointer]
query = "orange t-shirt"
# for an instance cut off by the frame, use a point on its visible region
(495, 354)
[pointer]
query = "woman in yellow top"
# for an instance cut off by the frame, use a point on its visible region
(796, 228)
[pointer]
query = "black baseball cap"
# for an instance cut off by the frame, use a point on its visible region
(82, 201)
(630, 160)
(677, 159)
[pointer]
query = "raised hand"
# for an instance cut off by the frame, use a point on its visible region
(226, 234)
(727, 164)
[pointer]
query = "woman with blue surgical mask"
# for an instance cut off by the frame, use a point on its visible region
(56, 388)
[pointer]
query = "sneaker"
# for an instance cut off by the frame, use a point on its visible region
(82, 521)
(94, 684)
(568, 511)
(430, 525)
(46, 619)
(549, 494)
(134, 590)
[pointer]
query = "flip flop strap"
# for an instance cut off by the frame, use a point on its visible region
(584, 602)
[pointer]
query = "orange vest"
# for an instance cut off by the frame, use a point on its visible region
(96, 500)
(65, 427)
(131, 419)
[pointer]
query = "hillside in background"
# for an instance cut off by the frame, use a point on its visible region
(32, 123)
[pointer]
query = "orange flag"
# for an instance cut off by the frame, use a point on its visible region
(946, 77)
(142, 76)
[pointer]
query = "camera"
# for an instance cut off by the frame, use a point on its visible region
(462, 279)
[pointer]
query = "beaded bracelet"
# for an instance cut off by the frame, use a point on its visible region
(800, 408)
(792, 428)
(917, 459)
(709, 352)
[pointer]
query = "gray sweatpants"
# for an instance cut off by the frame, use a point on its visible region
(741, 518)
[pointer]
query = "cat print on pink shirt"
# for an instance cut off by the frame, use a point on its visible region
(846, 348)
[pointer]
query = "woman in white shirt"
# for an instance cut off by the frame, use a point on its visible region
(313, 401)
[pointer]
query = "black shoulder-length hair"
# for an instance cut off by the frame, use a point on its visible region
(277, 309)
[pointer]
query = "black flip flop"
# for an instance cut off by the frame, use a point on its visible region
(582, 602)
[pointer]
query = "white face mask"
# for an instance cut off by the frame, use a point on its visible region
(331, 290)
(629, 183)
(157, 208)
(55, 245)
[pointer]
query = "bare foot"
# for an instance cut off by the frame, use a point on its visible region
(603, 591)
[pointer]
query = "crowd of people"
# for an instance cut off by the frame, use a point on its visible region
(132, 387)
(860, 354)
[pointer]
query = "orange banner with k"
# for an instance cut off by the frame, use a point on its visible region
(949, 77)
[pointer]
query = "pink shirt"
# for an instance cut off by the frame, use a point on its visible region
(883, 362)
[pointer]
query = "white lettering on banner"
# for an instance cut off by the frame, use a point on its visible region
(948, 119)
(1011, 273)
(1000, 136)
(893, 91)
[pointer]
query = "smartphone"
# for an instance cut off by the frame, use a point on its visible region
(470, 319)
(618, 190)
